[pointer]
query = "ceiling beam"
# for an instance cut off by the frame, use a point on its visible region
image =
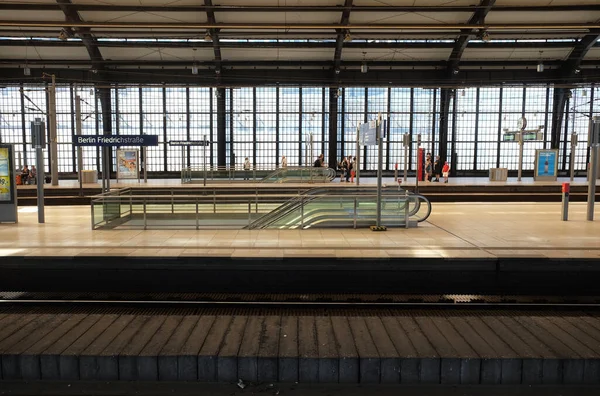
(214, 34)
(84, 33)
(298, 64)
(288, 44)
(406, 28)
(462, 42)
(571, 65)
(243, 9)
(303, 35)
(269, 77)
(341, 36)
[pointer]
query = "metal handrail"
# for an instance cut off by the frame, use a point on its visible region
(123, 204)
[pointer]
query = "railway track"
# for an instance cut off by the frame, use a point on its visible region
(225, 300)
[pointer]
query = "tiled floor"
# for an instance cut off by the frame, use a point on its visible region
(453, 230)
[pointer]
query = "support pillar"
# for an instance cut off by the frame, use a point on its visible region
(333, 127)
(559, 102)
(105, 103)
(445, 96)
(221, 137)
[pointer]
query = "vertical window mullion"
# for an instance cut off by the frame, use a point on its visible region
(499, 127)
(475, 145)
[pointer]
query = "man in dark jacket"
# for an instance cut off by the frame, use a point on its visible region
(437, 168)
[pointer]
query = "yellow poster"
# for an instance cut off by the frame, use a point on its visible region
(5, 182)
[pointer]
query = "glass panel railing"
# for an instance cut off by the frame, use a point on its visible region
(320, 207)
(195, 175)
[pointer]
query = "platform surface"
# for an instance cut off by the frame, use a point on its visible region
(452, 348)
(458, 181)
(454, 230)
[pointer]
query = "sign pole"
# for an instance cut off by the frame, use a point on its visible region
(573, 148)
(37, 133)
(520, 137)
(357, 163)
(406, 142)
(79, 148)
(379, 130)
(594, 136)
(53, 138)
(204, 157)
(145, 152)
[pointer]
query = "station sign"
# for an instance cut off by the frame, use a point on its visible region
(113, 140)
(188, 143)
(368, 134)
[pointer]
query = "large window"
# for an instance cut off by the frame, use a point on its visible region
(265, 123)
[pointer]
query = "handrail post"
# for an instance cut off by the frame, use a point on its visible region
(172, 203)
(302, 212)
(93, 225)
(197, 224)
(214, 202)
(355, 214)
(406, 222)
(249, 213)
(145, 223)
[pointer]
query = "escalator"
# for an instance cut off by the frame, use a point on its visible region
(348, 207)
(300, 175)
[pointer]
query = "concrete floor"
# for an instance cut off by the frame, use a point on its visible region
(453, 230)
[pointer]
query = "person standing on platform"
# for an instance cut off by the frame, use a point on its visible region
(428, 169)
(246, 169)
(437, 168)
(24, 175)
(349, 174)
(319, 162)
(344, 169)
(283, 162)
(32, 175)
(446, 171)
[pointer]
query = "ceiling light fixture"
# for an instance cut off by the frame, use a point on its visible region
(63, 36)
(540, 66)
(455, 71)
(485, 36)
(347, 37)
(364, 68)
(27, 71)
(207, 36)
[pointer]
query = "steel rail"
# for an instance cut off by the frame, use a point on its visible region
(303, 304)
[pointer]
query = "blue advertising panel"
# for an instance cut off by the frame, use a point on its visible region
(546, 163)
(113, 140)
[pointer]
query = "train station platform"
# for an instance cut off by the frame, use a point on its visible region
(283, 346)
(462, 248)
(462, 189)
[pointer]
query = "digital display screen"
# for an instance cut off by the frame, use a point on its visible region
(529, 136)
(5, 175)
(509, 137)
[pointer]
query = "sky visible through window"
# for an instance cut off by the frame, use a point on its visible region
(267, 122)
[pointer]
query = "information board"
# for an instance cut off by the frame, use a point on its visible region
(8, 188)
(189, 143)
(127, 164)
(6, 175)
(112, 140)
(546, 165)
(368, 134)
